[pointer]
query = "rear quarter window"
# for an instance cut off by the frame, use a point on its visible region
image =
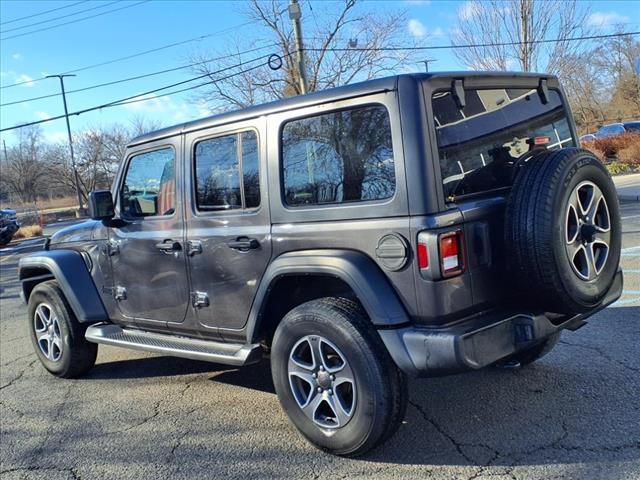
(338, 157)
(480, 144)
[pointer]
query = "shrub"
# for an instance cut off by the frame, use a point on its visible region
(620, 153)
(28, 232)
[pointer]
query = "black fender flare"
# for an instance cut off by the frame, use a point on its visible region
(357, 270)
(70, 270)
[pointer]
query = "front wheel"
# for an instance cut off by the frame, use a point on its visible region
(334, 377)
(56, 334)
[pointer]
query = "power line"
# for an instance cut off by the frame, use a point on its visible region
(58, 18)
(476, 45)
(140, 97)
(43, 13)
(139, 54)
(137, 77)
(74, 21)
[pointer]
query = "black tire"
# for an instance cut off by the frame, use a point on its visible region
(77, 355)
(535, 229)
(530, 355)
(381, 388)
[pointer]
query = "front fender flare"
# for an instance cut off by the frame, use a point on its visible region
(69, 269)
(371, 286)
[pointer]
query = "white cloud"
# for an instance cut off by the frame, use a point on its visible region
(28, 81)
(605, 19)
(55, 137)
(417, 2)
(161, 107)
(469, 9)
(416, 28)
(16, 56)
(43, 115)
(438, 32)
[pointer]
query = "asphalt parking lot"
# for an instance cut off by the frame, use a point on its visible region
(574, 414)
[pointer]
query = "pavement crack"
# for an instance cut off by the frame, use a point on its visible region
(38, 468)
(600, 352)
(459, 446)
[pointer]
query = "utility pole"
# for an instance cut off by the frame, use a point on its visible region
(295, 14)
(427, 62)
(73, 160)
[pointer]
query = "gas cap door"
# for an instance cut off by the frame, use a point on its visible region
(392, 252)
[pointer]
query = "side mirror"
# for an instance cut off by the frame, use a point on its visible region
(101, 205)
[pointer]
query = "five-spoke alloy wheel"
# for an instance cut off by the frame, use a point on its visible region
(47, 329)
(587, 230)
(322, 382)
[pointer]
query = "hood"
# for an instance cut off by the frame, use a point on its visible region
(76, 232)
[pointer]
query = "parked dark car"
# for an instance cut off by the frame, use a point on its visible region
(417, 225)
(617, 129)
(8, 225)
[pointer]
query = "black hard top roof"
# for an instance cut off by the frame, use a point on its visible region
(332, 94)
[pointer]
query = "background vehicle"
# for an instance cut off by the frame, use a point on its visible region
(8, 225)
(401, 226)
(617, 129)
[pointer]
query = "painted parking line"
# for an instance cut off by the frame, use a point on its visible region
(633, 270)
(631, 292)
(8, 257)
(626, 302)
(631, 249)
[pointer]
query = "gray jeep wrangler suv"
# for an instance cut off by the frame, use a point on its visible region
(416, 225)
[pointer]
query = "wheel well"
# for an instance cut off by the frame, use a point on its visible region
(289, 291)
(31, 277)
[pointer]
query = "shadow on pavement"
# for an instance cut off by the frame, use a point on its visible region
(571, 407)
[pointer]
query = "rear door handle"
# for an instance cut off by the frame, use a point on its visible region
(244, 244)
(169, 246)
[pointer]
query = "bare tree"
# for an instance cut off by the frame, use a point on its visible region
(491, 24)
(329, 25)
(23, 173)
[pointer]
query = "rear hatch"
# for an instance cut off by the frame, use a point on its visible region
(483, 133)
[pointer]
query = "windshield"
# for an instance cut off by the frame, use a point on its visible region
(480, 144)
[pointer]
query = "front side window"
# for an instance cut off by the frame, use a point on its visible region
(149, 187)
(480, 144)
(227, 172)
(338, 157)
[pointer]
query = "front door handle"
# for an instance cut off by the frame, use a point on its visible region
(169, 246)
(244, 244)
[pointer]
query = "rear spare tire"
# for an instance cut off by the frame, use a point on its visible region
(562, 231)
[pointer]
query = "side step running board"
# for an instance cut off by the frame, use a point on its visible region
(217, 352)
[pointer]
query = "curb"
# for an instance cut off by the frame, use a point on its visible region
(629, 198)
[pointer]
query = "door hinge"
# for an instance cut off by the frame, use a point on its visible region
(111, 248)
(194, 247)
(120, 293)
(199, 299)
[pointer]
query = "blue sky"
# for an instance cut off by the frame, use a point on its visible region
(148, 25)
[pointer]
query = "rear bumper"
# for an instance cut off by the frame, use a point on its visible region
(479, 341)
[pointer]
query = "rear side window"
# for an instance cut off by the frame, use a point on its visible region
(227, 172)
(338, 157)
(480, 144)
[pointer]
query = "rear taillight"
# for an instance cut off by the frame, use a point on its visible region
(451, 248)
(423, 256)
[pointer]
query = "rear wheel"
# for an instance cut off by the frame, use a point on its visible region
(56, 334)
(334, 377)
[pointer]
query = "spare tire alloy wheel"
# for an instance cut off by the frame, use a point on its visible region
(47, 329)
(587, 231)
(322, 382)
